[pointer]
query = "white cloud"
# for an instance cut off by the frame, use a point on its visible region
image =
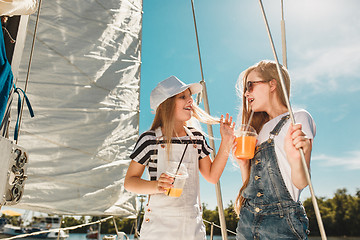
(328, 69)
(349, 161)
(323, 44)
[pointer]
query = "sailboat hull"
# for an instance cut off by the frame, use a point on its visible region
(40, 224)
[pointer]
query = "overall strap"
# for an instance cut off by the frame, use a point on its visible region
(278, 126)
(192, 138)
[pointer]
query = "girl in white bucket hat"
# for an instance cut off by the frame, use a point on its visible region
(170, 139)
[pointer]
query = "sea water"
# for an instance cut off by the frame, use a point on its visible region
(80, 236)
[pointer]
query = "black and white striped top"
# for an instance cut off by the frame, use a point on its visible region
(145, 151)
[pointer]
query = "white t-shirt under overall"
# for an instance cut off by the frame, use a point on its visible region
(308, 127)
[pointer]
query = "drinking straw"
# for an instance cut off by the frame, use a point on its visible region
(182, 157)
(250, 118)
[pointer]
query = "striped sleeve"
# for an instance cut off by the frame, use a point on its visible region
(144, 148)
(205, 149)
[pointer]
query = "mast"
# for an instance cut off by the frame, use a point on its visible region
(210, 132)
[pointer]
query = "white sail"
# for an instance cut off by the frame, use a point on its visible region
(84, 89)
(17, 7)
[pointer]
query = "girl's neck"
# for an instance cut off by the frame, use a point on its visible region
(179, 130)
(277, 111)
(276, 108)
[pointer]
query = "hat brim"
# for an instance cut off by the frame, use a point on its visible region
(195, 88)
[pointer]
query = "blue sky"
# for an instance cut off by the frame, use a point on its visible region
(323, 61)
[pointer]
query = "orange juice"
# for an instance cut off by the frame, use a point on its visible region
(174, 192)
(245, 147)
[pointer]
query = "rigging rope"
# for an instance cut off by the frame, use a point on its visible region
(206, 221)
(313, 197)
(283, 35)
(29, 66)
(210, 132)
(58, 229)
(197, 40)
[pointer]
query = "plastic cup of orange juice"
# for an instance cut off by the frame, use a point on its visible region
(180, 175)
(245, 142)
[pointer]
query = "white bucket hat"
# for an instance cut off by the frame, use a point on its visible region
(168, 88)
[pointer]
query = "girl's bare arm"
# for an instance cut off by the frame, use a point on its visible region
(212, 170)
(134, 183)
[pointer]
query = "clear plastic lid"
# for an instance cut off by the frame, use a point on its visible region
(245, 130)
(173, 167)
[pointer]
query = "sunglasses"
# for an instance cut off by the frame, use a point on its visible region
(249, 86)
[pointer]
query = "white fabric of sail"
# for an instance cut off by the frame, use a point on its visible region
(17, 7)
(84, 88)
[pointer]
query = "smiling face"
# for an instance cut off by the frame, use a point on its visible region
(183, 106)
(267, 98)
(259, 96)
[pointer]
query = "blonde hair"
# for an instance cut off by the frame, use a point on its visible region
(267, 70)
(164, 118)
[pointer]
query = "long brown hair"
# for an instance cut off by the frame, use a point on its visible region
(267, 70)
(164, 118)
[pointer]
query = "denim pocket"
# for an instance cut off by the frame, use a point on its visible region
(304, 220)
(245, 224)
(299, 223)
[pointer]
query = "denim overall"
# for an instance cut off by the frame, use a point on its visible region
(269, 212)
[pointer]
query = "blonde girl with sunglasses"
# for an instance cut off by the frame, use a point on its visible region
(268, 203)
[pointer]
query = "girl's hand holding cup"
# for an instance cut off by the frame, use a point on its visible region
(245, 142)
(164, 183)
